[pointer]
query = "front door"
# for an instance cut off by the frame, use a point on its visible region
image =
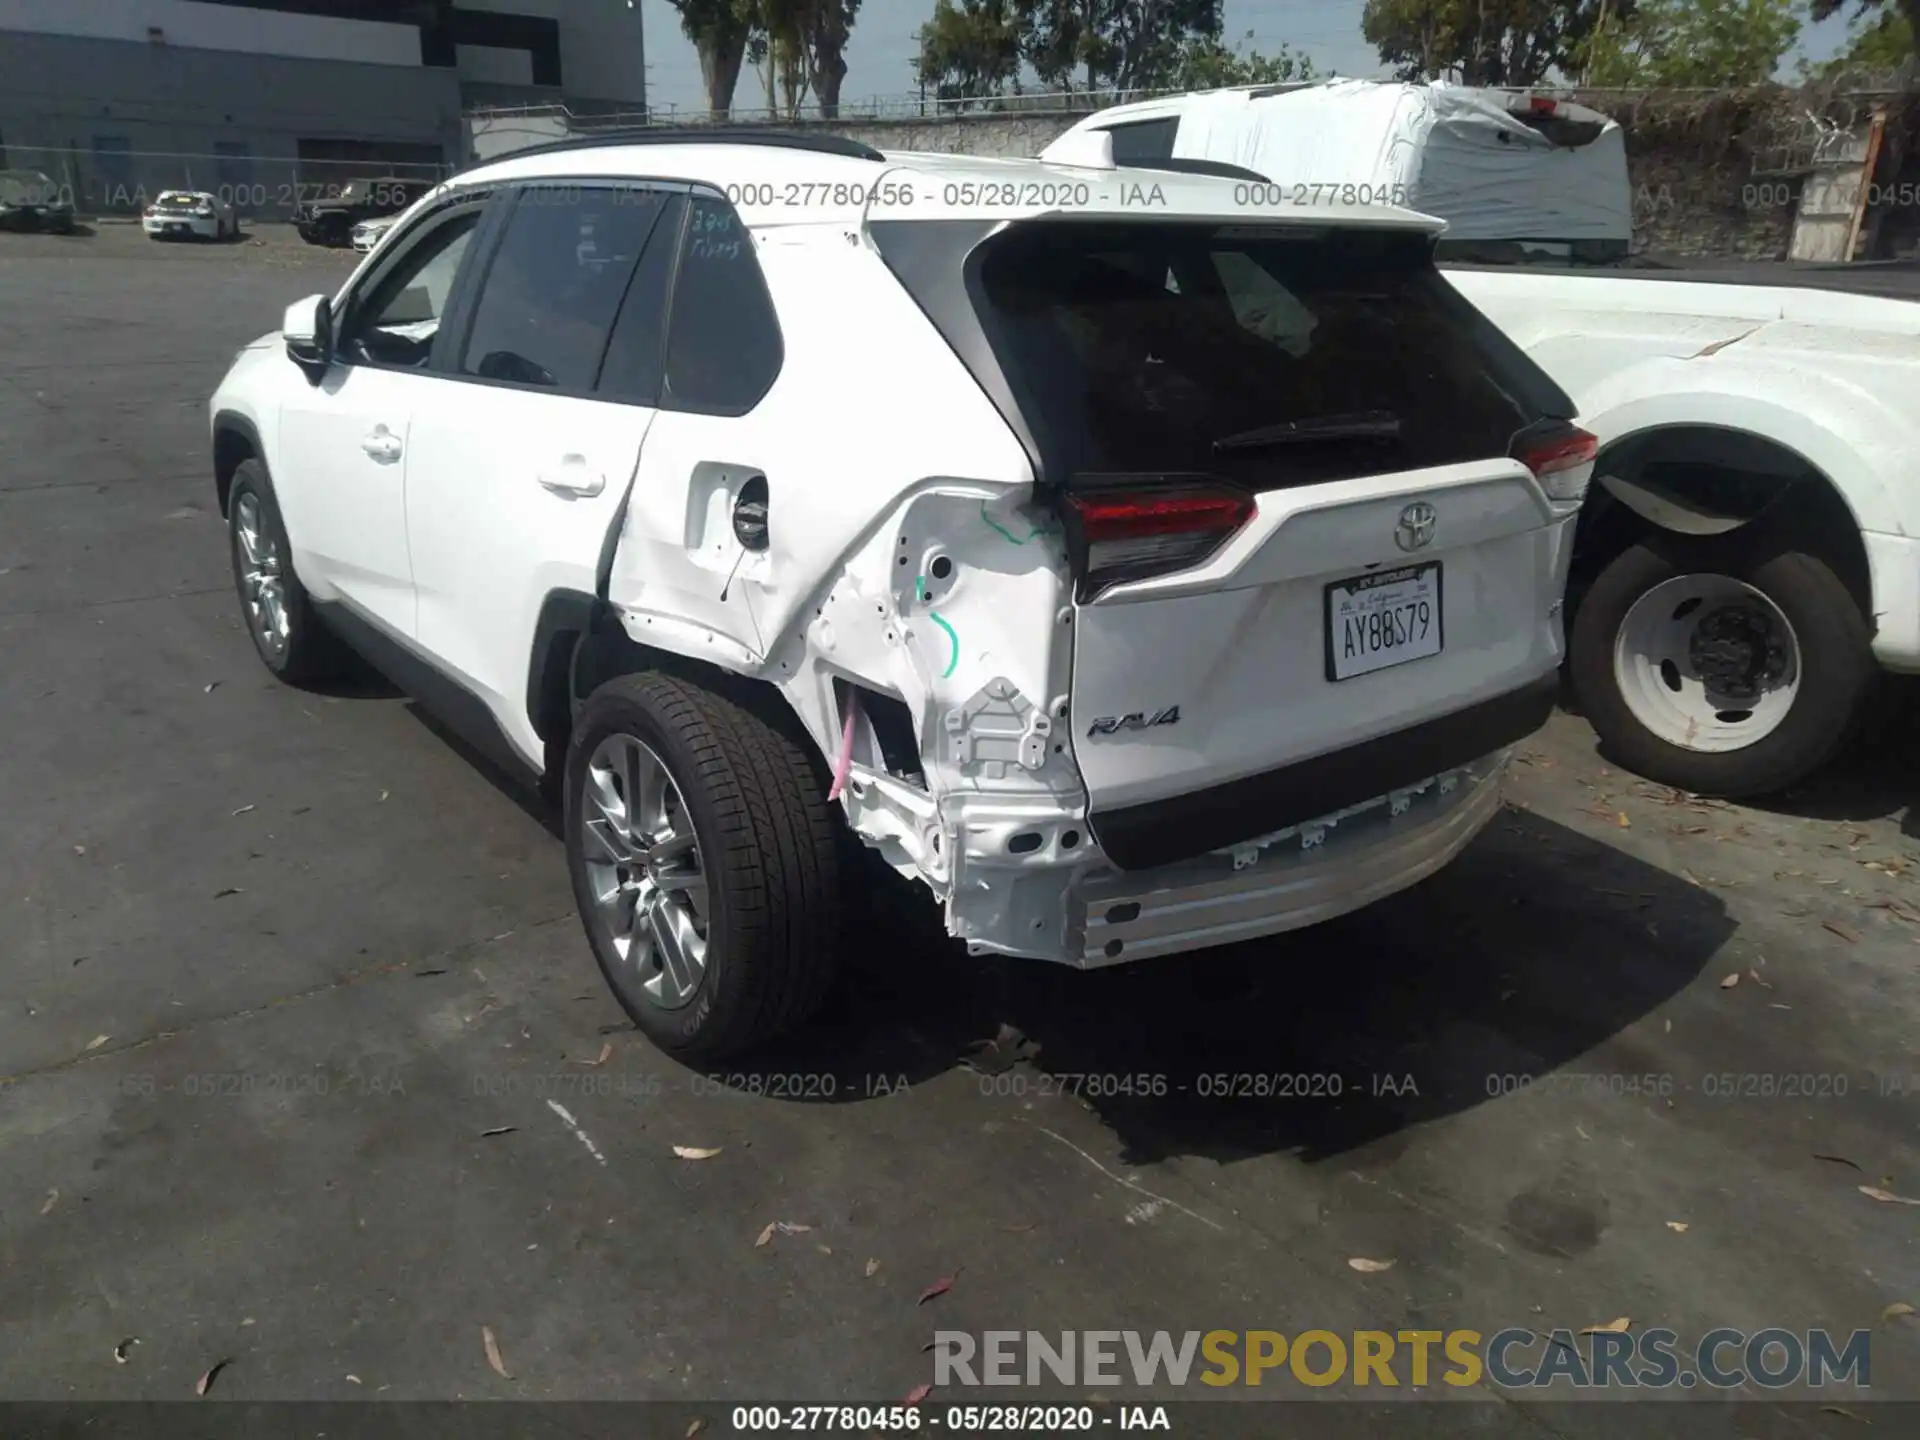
(344, 442)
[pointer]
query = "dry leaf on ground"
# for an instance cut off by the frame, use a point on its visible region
(873, 1268)
(1731, 981)
(1612, 1327)
(1852, 937)
(53, 1198)
(1369, 1267)
(938, 1287)
(124, 1348)
(493, 1352)
(1679, 1227)
(695, 1152)
(919, 1393)
(1885, 1197)
(1896, 1310)
(205, 1382)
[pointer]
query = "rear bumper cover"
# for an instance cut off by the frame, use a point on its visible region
(1311, 873)
(1166, 832)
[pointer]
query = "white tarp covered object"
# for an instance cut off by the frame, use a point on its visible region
(1459, 152)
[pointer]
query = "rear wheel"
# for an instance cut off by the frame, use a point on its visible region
(1722, 666)
(705, 863)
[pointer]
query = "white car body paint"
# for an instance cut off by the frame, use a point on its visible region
(909, 555)
(1830, 377)
(1827, 376)
(211, 218)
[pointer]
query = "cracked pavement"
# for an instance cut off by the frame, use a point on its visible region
(307, 1067)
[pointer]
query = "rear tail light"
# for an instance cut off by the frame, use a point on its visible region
(1561, 459)
(1120, 534)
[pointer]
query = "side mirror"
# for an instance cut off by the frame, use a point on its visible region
(308, 332)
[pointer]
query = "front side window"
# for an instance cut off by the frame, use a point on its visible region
(396, 323)
(723, 340)
(550, 295)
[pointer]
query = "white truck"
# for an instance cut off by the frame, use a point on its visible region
(1746, 562)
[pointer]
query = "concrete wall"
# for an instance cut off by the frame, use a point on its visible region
(602, 48)
(67, 104)
(1013, 137)
(217, 27)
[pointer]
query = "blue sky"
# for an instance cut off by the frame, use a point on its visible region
(880, 58)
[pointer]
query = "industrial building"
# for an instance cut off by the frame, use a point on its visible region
(270, 101)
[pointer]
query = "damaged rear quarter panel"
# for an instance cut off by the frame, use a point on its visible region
(905, 557)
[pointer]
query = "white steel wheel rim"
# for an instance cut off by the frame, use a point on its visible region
(645, 869)
(1707, 663)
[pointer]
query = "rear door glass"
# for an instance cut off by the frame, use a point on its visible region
(551, 291)
(1138, 349)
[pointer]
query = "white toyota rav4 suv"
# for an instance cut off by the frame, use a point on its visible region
(1139, 566)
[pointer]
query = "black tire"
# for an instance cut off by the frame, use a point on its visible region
(311, 652)
(769, 848)
(1838, 674)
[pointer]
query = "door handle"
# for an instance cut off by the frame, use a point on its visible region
(573, 476)
(382, 444)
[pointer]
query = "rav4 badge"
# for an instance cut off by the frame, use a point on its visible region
(1138, 720)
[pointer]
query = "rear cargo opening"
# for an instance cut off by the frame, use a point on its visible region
(1285, 457)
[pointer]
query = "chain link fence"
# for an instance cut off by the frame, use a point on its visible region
(106, 182)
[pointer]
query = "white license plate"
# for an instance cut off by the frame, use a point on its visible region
(1383, 619)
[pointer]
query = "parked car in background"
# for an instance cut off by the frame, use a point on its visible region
(329, 217)
(30, 200)
(1748, 561)
(189, 215)
(1145, 570)
(367, 233)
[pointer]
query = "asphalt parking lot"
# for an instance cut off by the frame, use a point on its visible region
(307, 1068)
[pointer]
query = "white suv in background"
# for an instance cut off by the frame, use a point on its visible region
(1139, 568)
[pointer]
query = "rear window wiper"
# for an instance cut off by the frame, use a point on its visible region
(1362, 425)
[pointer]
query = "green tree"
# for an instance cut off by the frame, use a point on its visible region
(970, 50)
(1208, 64)
(719, 32)
(1690, 44)
(1112, 44)
(1878, 43)
(1485, 42)
(828, 27)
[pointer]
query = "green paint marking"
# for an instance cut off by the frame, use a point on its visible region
(934, 615)
(920, 592)
(993, 524)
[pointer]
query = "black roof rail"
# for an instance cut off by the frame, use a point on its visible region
(1186, 165)
(820, 144)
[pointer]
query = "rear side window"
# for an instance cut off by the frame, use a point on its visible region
(556, 281)
(1144, 140)
(1269, 361)
(723, 341)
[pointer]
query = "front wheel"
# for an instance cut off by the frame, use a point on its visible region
(291, 639)
(1721, 667)
(705, 864)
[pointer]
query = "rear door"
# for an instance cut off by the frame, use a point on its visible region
(521, 459)
(1286, 462)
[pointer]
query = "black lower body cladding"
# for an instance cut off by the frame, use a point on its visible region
(1164, 832)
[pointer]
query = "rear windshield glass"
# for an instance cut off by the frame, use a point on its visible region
(1168, 349)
